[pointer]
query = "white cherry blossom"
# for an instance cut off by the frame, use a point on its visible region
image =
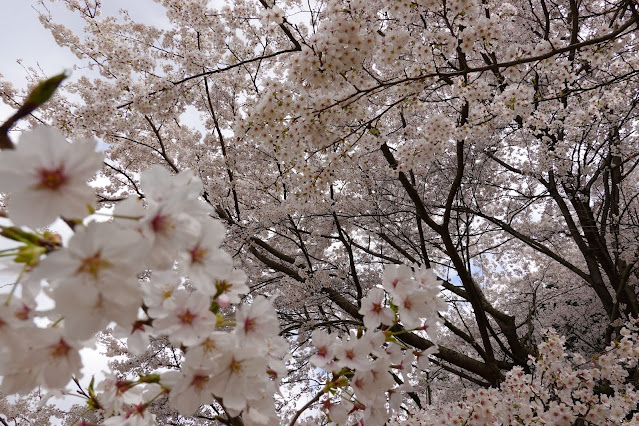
(47, 171)
(186, 319)
(374, 310)
(256, 322)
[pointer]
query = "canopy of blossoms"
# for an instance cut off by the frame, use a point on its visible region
(407, 212)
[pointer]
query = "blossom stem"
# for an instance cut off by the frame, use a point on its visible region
(117, 216)
(55, 324)
(13, 288)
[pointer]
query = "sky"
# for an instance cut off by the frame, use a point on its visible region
(24, 38)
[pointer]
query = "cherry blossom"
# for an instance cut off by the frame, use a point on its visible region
(418, 209)
(235, 377)
(186, 319)
(374, 311)
(257, 321)
(325, 346)
(48, 171)
(190, 388)
(43, 358)
(93, 279)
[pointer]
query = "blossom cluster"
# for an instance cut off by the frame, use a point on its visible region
(156, 269)
(364, 366)
(493, 111)
(560, 389)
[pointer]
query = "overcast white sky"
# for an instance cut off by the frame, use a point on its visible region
(23, 37)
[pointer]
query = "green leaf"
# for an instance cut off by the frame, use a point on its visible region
(43, 91)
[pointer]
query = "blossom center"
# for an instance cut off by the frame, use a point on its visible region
(187, 317)
(60, 349)
(249, 324)
(208, 345)
(222, 286)
(22, 314)
(235, 366)
(322, 351)
(197, 254)
(52, 179)
(160, 224)
(93, 265)
(199, 381)
(139, 325)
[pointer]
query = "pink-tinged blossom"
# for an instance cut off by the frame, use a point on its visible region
(240, 376)
(203, 354)
(190, 388)
(160, 288)
(113, 393)
(167, 227)
(256, 322)
(352, 353)
(414, 307)
(136, 335)
(422, 357)
(223, 301)
(99, 254)
(398, 279)
(396, 397)
(136, 416)
(273, 14)
(16, 377)
(557, 392)
(15, 314)
(325, 344)
(230, 286)
(371, 382)
(132, 409)
(426, 278)
(45, 358)
(48, 172)
(138, 341)
(375, 341)
(277, 353)
(87, 310)
(337, 412)
(260, 412)
(374, 311)
(394, 354)
(159, 185)
(187, 319)
(375, 413)
(203, 260)
(406, 365)
(94, 280)
(171, 213)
